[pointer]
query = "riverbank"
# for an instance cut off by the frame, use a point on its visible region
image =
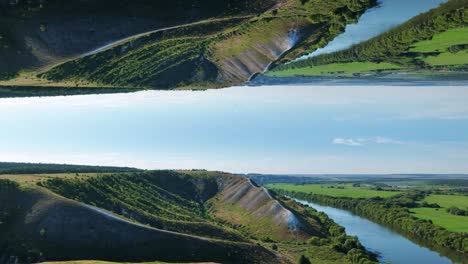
(390, 212)
(394, 79)
(390, 246)
(431, 43)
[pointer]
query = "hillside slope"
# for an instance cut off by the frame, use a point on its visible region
(35, 33)
(215, 47)
(60, 228)
(436, 41)
(241, 202)
(185, 216)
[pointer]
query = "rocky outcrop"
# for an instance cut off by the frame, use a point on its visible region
(240, 66)
(257, 201)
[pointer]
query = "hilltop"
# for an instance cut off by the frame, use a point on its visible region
(433, 42)
(159, 44)
(171, 216)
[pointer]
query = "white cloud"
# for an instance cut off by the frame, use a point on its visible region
(384, 140)
(347, 141)
(357, 142)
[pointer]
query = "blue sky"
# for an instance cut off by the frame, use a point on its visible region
(280, 129)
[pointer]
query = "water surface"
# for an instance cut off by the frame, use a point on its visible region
(391, 246)
(388, 14)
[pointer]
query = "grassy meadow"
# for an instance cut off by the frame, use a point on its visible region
(336, 190)
(440, 216)
(32, 179)
(446, 201)
(434, 42)
(444, 49)
(441, 42)
(341, 69)
(449, 46)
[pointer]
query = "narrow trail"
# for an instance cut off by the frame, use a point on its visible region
(127, 39)
(115, 217)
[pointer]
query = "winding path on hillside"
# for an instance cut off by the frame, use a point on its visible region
(127, 39)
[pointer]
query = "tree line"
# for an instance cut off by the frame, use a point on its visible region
(38, 168)
(393, 212)
(391, 45)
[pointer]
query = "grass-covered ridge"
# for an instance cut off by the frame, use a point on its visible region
(37, 224)
(168, 200)
(170, 216)
(38, 168)
(435, 41)
(89, 24)
(213, 53)
(217, 48)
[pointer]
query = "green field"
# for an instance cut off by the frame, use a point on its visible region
(32, 179)
(441, 42)
(448, 58)
(447, 201)
(434, 42)
(326, 189)
(341, 69)
(440, 216)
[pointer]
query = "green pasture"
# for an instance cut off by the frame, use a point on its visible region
(336, 190)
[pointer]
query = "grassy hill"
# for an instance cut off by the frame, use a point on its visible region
(173, 216)
(36, 32)
(42, 223)
(201, 44)
(436, 41)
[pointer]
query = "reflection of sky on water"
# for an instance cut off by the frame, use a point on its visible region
(392, 247)
(375, 21)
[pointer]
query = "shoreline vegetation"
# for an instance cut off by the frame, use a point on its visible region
(394, 212)
(433, 42)
(131, 215)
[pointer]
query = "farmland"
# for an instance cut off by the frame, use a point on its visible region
(336, 190)
(440, 216)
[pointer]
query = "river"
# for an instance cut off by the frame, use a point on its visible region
(391, 246)
(388, 14)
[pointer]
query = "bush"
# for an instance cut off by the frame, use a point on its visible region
(303, 260)
(314, 241)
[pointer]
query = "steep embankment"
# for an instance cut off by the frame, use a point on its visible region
(35, 33)
(220, 49)
(240, 202)
(161, 215)
(36, 222)
(434, 42)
